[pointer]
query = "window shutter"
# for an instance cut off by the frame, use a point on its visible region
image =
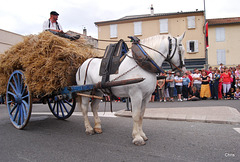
(163, 25)
(191, 22)
(217, 34)
(223, 34)
(195, 48)
(196, 45)
(220, 34)
(137, 28)
(188, 46)
(221, 56)
(113, 31)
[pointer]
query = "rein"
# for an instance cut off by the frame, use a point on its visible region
(108, 40)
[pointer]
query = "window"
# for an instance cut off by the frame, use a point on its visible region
(113, 31)
(163, 25)
(221, 56)
(220, 34)
(192, 46)
(191, 22)
(137, 28)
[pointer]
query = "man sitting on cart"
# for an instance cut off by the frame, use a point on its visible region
(54, 27)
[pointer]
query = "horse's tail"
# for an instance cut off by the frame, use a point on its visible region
(79, 102)
(81, 80)
(78, 75)
(78, 98)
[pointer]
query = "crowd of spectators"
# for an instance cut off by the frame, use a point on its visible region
(214, 83)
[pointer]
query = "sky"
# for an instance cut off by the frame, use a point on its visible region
(27, 16)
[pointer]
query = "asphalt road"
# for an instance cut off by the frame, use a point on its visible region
(48, 139)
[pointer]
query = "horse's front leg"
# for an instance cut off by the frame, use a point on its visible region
(84, 102)
(144, 104)
(137, 121)
(97, 121)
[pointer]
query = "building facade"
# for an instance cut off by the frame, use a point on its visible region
(90, 40)
(8, 39)
(224, 39)
(148, 25)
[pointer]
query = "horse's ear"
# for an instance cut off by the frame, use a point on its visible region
(182, 36)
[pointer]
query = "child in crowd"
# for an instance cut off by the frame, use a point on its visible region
(195, 96)
(231, 94)
(237, 94)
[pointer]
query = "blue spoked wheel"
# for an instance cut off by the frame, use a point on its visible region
(19, 100)
(61, 108)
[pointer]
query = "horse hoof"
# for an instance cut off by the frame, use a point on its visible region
(90, 132)
(145, 138)
(98, 130)
(139, 142)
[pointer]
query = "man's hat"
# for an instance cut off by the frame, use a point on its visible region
(54, 13)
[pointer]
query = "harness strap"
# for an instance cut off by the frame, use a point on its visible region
(169, 57)
(87, 71)
(49, 25)
(181, 61)
(170, 47)
(174, 48)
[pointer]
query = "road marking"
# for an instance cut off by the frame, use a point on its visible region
(100, 114)
(237, 129)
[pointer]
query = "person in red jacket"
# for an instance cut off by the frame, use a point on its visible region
(226, 78)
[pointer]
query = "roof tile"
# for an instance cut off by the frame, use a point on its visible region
(221, 21)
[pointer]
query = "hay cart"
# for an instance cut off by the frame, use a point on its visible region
(61, 103)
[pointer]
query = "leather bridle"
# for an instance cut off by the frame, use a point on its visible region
(171, 54)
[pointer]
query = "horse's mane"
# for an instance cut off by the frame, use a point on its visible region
(154, 40)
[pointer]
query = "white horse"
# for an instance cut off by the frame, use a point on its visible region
(139, 93)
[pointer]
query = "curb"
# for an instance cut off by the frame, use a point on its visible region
(218, 115)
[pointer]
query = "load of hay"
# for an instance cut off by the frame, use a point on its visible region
(49, 62)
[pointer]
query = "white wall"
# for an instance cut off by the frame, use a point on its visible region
(8, 39)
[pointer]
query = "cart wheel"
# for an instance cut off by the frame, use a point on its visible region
(18, 99)
(61, 108)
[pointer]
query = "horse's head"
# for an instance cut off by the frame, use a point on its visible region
(176, 53)
(165, 47)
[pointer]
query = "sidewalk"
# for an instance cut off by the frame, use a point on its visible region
(212, 114)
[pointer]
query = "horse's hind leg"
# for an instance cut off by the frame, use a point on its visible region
(144, 104)
(97, 121)
(84, 102)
